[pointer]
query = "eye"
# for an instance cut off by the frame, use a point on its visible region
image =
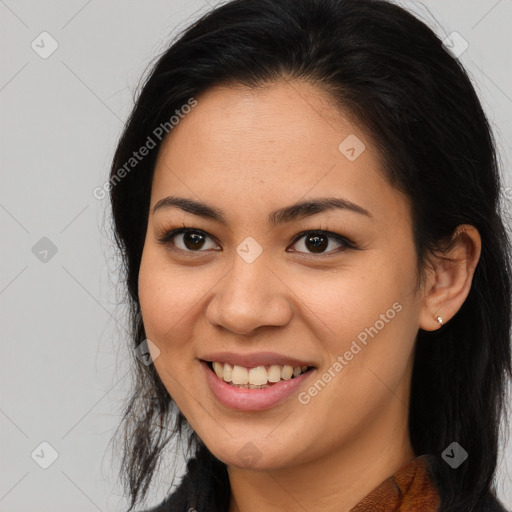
(318, 241)
(191, 240)
(315, 242)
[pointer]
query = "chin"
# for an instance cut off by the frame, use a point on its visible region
(249, 452)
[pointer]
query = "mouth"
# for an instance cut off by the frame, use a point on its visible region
(251, 388)
(256, 377)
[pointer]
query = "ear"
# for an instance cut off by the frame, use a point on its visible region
(448, 282)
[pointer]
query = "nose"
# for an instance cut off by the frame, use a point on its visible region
(248, 297)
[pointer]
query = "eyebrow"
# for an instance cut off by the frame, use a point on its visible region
(280, 216)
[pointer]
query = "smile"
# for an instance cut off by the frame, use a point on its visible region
(255, 378)
(254, 388)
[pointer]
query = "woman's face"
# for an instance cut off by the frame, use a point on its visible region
(253, 283)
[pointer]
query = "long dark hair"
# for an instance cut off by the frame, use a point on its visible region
(393, 74)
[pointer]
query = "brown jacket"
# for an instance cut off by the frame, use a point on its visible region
(410, 489)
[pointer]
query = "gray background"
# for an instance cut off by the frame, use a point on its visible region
(64, 356)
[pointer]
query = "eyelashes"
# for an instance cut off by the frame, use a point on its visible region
(167, 238)
(319, 235)
(197, 240)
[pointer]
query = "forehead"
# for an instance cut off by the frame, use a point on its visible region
(271, 146)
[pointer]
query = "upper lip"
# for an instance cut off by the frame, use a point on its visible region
(255, 359)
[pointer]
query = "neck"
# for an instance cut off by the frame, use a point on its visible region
(335, 482)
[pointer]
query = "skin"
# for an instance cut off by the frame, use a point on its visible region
(249, 152)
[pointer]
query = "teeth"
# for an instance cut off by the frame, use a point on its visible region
(228, 372)
(287, 372)
(217, 367)
(240, 375)
(258, 377)
(274, 373)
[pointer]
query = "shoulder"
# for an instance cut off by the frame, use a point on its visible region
(169, 505)
(491, 504)
(159, 508)
(164, 506)
(487, 503)
(175, 502)
(203, 488)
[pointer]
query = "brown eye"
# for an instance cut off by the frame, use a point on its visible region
(317, 242)
(193, 240)
(188, 240)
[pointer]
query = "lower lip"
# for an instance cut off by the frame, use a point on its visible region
(252, 399)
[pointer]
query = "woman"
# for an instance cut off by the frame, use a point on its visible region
(306, 196)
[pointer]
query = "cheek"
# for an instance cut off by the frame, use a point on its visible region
(368, 313)
(353, 297)
(167, 300)
(367, 363)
